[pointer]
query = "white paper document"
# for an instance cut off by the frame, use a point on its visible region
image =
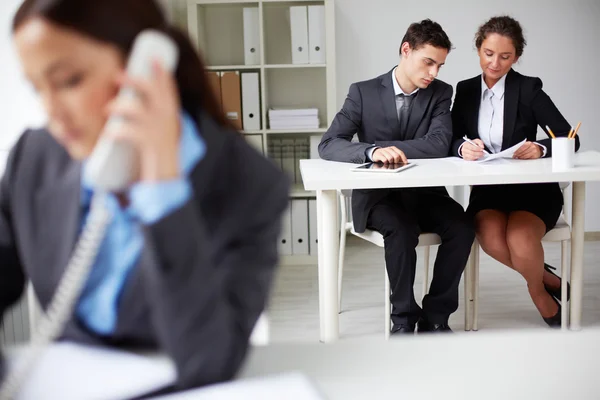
(508, 153)
(73, 371)
(288, 386)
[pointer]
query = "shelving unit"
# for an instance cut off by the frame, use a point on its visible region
(216, 28)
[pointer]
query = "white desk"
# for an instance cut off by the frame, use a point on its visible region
(501, 365)
(327, 177)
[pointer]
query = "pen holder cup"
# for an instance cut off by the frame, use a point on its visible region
(563, 154)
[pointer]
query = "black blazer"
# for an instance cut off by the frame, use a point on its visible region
(205, 271)
(370, 111)
(526, 106)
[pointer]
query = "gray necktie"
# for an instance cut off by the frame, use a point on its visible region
(404, 112)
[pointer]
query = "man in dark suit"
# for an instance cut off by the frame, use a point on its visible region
(402, 114)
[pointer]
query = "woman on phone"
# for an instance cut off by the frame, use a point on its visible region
(497, 110)
(189, 255)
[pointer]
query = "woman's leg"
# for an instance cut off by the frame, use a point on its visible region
(490, 228)
(524, 233)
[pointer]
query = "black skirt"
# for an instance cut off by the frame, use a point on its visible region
(545, 200)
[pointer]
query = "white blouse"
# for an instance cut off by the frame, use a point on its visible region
(491, 115)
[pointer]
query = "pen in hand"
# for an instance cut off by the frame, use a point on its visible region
(466, 139)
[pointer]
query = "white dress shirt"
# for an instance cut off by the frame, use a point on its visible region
(399, 102)
(491, 117)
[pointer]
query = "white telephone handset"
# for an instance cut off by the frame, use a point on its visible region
(111, 167)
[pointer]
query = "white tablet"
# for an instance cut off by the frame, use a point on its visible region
(381, 167)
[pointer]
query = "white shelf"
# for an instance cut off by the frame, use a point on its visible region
(284, 131)
(216, 29)
(234, 67)
(298, 259)
(267, 66)
(292, 1)
(279, 66)
(219, 2)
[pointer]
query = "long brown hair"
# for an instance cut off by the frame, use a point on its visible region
(118, 22)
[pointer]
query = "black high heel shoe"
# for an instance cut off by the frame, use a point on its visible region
(556, 293)
(554, 321)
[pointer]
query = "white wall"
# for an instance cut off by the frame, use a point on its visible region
(562, 50)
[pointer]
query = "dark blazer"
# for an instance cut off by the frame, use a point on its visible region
(205, 270)
(526, 106)
(370, 112)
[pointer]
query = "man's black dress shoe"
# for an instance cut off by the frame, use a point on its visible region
(424, 326)
(405, 329)
(556, 292)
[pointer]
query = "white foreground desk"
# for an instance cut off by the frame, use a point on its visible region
(501, 365)
(327, 177)
(544, 365)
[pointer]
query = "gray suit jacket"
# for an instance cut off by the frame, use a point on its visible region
(370, 112)
(206, 268)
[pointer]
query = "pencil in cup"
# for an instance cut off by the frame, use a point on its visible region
(572, 135)
(552, 135)
(563, 150)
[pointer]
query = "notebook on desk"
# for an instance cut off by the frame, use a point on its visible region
(69, 371)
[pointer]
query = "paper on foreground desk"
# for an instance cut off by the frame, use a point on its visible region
(69, 371)
(541, 364)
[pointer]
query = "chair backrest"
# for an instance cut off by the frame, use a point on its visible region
(567, 191)
(345, 196)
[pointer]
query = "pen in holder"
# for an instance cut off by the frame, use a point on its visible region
(563, 153)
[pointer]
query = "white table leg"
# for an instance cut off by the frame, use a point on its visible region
(328, 264)
(577, 233)
(319, 269)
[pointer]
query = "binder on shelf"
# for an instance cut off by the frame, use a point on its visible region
(251, 36)
(231, 97)
(287, 157)
(255, 141)
(250, 101)
(275, 151)
(214, 80)
(313, 227)
(299, 226)
(316, 34)
(299, 34)
(285, 238)
(300, 153)
(314, 146)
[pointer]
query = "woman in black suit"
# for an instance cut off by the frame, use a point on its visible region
(497, 110)
(188, 258)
